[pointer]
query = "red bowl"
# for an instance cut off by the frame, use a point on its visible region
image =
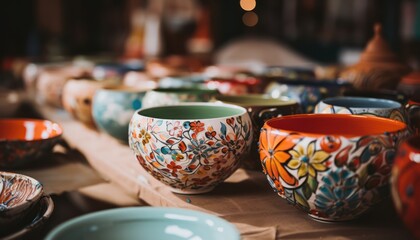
(23, 141)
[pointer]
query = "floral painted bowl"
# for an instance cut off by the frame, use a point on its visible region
(18, 196)
(191, 147)
(23, 141)
(172, 96)
(363, 106)
(405, 184)
(146, 223)
(112, 109)
(332, 166)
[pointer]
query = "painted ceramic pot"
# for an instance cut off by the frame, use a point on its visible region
(410, 85)
(115, 70)
(378, 67)
(25, 141)
(191, 147)
(363, 106)
(235, 86)
(18, 196)
(113, 108)
(405, 184)
(172, 96)
(50, 83)
(306, 92)
(260, 108)
(332, 166)
(77, 98)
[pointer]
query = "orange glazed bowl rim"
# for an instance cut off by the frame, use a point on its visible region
(346, 125)
(55, 130)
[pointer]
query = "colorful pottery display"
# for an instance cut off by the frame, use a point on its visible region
(306, 92)
(77, 98)
(112, 109)
(405, 184)
(260, 108)
(172, 96)
(18, 196)
(363, 106)
(24, 141)
(146, 223)
(191, 147)
(332, 166)
(378, 67)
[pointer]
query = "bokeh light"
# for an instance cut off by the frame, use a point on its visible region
(250, 19)
(248, 5)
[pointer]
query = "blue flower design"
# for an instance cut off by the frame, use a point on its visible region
(339, 195)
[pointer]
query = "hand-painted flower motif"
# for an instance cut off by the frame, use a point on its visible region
(174, 129)
(339, 195)
(144, 136)
(309, 161)
(274, 155)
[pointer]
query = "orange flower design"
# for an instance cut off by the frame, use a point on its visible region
(274, 155)
(197, 126)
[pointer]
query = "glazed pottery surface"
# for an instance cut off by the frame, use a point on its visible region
(191, 147)
(35, 219)
(260, 108)
(413, 111)
(235, 86)
(378, 67)
(334, 167)
(18, 196)
(113, 108)
(77, 98)
(382, 94)
(24, 141)
(182, 81)
(410, 85)
(172, 96)
(363, 106)
(405, 182)
(306, 92)
(146, 223)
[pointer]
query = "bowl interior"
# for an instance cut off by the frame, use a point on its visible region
(336, 124)
(193, 111)
(361, 102)
(28, 129)
(254, 100)
(146, 223)
(17, 190)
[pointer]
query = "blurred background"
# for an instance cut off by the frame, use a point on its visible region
(322, 31)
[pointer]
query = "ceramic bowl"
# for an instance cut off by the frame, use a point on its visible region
(146, 223)
(25, 141)
(332, 166)
(235, 85)
(405, 184)
(18, 196)
(191, 147)
(51, 81)
(77, 98)
(382, 94)
(413, 112)
(33, 222)
(172, 96)
(363, 106)
(112, 109)
(260, 108)
(306, 92)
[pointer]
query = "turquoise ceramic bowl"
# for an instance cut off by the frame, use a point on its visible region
(113, 108)
(146, 223)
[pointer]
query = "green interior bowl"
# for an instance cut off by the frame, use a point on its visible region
(146, 223)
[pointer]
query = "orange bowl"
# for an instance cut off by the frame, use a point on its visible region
(332, 166)
(23, 141)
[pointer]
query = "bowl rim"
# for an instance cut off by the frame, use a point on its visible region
(36, 195)
(402, 126)
(186, 104)
(57, 126)
(392, 104)
(146, 213)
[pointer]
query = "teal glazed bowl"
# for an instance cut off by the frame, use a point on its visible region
(113, 108)
(146, 223)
